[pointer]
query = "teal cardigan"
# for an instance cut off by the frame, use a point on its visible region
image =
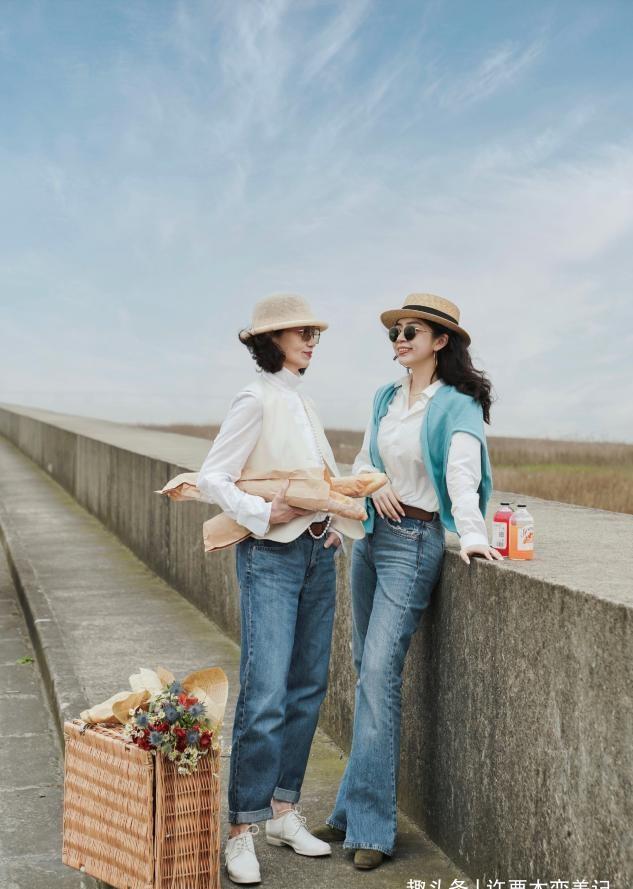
(448, 411)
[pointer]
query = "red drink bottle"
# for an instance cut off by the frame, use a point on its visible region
(501, 528)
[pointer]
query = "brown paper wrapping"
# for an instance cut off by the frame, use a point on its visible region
(312, 489)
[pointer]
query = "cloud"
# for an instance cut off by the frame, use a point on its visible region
(499, 68)
(336, 37)
(228, 150)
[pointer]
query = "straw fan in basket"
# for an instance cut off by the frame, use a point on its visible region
(142, 784)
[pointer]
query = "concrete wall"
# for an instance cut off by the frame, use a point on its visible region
(517, 740)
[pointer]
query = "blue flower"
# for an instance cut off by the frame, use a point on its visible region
(142, 719)
(196, 709)
(192, 736)
(175, 688)
(155, 738)
(171, 714)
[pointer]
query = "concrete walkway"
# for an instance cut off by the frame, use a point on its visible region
(31, 779)
(97, 614)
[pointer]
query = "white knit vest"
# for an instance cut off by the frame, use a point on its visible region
(281, 445)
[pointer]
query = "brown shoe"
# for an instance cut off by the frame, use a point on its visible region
(366, 859)
(329, 834)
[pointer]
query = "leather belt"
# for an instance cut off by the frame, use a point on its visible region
(414, 512)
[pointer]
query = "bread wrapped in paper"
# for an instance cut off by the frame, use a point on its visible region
(209, 685)
(307, 489)
(313, 489)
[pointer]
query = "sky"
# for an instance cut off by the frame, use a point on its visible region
(164, 165)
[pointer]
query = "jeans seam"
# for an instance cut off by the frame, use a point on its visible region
(394, 813)
(247, 670)
(391, 721)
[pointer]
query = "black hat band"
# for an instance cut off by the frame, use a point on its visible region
(431, 311)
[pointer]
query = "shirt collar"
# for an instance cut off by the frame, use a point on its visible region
(430, 390)
(284, 378)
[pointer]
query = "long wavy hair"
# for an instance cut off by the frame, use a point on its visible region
(455, 367)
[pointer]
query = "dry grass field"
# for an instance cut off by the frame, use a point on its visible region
(598, 474)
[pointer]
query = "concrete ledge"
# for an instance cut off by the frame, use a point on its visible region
(517, 743)
(63, 689)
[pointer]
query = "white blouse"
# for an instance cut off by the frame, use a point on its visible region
(234, 442)
(399, 446)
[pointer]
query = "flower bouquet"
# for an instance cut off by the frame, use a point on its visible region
(175, 725)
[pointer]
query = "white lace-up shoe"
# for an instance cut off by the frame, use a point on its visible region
(289, 829)
(239, 855)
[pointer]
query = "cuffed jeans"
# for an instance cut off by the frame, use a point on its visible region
(287, 598)
(394, 571)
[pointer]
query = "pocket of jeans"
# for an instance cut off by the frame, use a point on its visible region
(268, 544)
(406, 532)
(332, 547)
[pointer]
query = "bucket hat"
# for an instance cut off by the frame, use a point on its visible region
(279, 312)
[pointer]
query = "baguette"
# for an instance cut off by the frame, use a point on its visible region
(361, 485)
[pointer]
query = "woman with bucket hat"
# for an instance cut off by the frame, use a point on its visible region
(427, 433)
(287, 579)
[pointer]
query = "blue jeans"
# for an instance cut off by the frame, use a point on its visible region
(394, 571)
(287, 597)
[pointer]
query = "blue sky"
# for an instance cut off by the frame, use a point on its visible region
(164, 165)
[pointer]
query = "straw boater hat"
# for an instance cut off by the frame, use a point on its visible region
(279, 312)
(429, 307)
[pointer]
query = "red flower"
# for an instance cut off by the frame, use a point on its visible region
(162, 727)
(205, 740)
(180, 732)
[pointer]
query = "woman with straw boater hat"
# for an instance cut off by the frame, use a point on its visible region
(426, 433)
(287, 579)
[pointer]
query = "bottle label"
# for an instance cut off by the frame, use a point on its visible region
(525, 538)
(499, 535)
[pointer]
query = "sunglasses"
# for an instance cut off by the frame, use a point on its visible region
(409, 330)
(308, 333)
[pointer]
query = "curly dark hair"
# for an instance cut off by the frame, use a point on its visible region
(455, 367)
(266, 353)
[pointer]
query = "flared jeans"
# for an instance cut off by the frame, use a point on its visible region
(394, 571)
(287, 598)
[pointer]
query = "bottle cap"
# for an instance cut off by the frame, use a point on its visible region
(505, 503)
(521, 505)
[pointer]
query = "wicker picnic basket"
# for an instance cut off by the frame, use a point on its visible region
(131, 820)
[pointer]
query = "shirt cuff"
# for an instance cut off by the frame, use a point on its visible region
(256, 523)
(473, 538)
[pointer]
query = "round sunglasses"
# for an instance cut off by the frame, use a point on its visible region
(308, 333)
(409, 331)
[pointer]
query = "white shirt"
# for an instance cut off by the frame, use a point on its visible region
(234, 442)
(399, 446)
